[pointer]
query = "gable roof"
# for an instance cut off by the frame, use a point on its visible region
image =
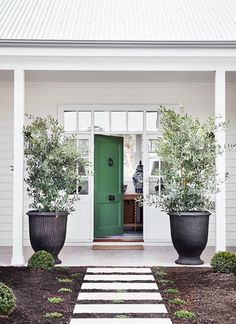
(128, 21)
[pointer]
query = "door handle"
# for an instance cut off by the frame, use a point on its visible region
(111, 197)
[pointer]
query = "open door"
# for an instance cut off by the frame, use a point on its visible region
(108, 205)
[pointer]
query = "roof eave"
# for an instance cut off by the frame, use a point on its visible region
(116, 43)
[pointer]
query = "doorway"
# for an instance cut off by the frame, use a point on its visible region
(117, 216)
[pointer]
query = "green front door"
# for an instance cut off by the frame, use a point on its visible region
(108, 205)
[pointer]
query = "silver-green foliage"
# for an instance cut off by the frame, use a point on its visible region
(188, 149)
(52, 164)
(7, 300)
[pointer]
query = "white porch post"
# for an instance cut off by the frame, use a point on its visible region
(220, 163)
(18, 182)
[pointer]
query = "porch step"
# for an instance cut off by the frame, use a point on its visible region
(119, 277)
(119, 296)
(120, 321)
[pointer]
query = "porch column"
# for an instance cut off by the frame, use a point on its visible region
(18, 181)
(220, 163)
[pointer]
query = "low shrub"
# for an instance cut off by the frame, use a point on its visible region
(41, 260)
(185, 314)
(7, 300)
(177, 301)
(165, 282)
(64, 280)
(55, 300)
(54, 315)
(65, 290)
(171, 291)
(224, 262)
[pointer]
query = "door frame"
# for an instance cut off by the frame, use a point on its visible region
(146, 135)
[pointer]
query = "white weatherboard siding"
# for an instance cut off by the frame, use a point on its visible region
(6, 159)
(231, 165)
(42, 99)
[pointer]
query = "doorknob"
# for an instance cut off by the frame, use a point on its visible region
(111, 198)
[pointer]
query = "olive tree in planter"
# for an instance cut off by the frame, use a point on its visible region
(52, 164)
(188, 150)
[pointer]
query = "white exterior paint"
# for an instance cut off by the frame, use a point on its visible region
(220, 162)
(18, 165)
(43, 98)
(167, 20)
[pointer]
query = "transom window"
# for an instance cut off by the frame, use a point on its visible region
(111, 121)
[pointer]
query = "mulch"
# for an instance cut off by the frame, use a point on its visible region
(211, 296)
(32, 289)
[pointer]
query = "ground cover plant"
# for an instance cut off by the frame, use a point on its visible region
(41, 298)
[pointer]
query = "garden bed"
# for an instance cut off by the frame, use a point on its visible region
(33, 288)
(211, 296)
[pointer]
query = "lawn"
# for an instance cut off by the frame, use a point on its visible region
(211, 296)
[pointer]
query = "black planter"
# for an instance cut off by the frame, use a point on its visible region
(189, 233)
(47, 231)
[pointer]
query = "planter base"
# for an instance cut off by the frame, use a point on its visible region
(189, 261)
(56, 259)
(48, 232)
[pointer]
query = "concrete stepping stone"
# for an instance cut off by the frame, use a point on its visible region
(119, 277)
(134, 278)
(120, 308)
(120, 321)
(119, 285)
(119, 270)
(119, 296)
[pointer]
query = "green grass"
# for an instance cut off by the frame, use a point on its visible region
(64, 280)
(177, 301)
(171, 291)
(54, 315)
(55, 300)
(65, 290)
(117, 301)
(185, 314)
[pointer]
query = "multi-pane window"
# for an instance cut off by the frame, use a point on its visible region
(154, 168)
(111, 121)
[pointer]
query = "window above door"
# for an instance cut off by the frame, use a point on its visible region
(138, 120)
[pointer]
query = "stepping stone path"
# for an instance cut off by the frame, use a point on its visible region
(119, 292)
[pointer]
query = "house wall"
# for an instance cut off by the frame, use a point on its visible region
(42, 98)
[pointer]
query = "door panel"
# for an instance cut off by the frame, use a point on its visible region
(108, 205)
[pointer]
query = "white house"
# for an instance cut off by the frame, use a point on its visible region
(104, 67)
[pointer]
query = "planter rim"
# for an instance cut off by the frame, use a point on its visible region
(190, 213)
(37, 213)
